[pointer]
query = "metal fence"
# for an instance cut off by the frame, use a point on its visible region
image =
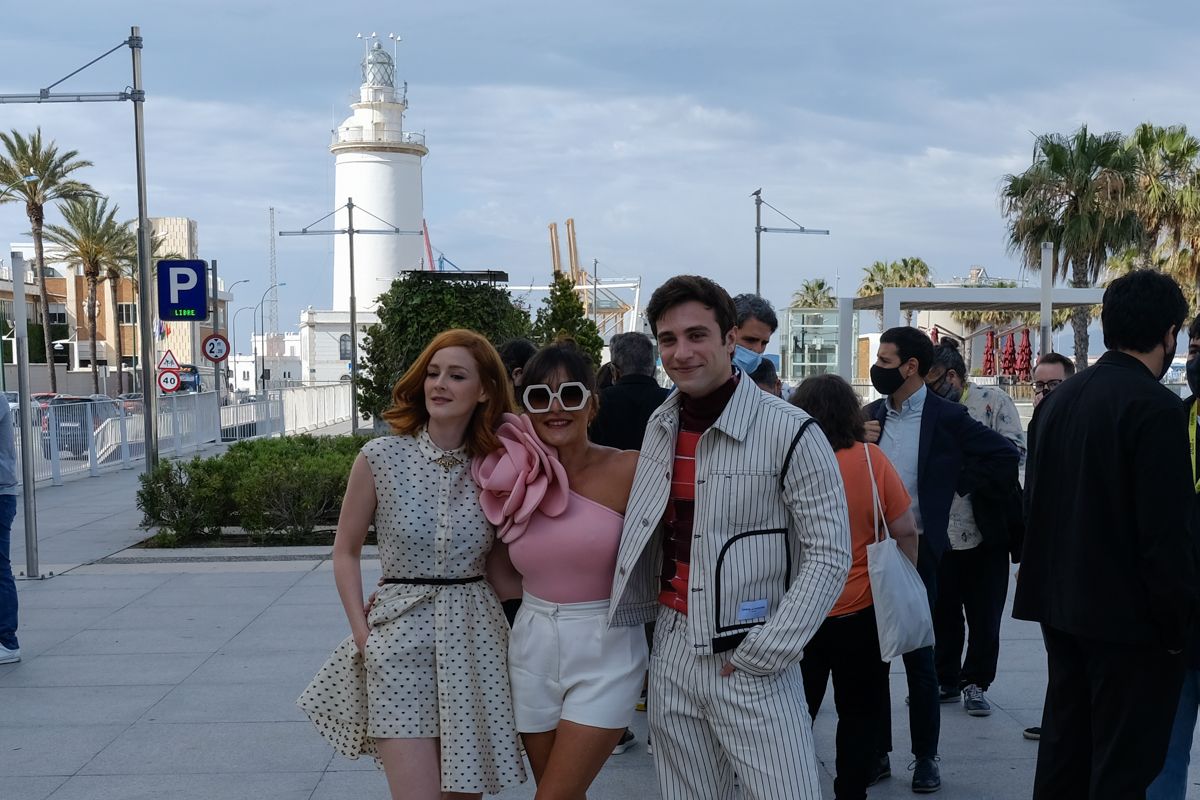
(78, 435)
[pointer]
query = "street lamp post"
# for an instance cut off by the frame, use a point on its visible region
(759, 230)
(261, 339)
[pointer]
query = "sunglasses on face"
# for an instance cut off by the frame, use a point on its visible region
(1045, 387)
(571, 396)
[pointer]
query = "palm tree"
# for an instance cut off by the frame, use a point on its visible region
(94, 240)
(1078, 193)
(29, 156)
(911, 272)
(816, 293)
(876, 278)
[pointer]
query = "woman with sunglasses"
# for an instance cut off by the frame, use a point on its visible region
(422, 682)
(559, 502)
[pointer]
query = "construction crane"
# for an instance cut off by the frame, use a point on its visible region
(600, 302)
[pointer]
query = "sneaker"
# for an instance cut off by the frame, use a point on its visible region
(1033, 734)
(883, 769)
(627, 741)
(9, 655)
(649, 749)
(927, 778)
(975, 702)
(949, 694)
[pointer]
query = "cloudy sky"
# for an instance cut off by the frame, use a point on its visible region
(891, 123)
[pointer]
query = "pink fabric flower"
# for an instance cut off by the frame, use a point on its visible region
(523, 476)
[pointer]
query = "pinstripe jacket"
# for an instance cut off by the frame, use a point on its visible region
(770, 553)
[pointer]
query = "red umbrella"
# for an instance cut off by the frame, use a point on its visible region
(989, 354)
(933, 334)
(1008, 357)
(1024, 357)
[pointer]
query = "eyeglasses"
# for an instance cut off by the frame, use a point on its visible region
(1045, 387)
(571, 396)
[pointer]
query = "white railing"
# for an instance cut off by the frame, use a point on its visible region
(98, 435)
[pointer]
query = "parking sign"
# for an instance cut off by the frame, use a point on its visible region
(182, 290)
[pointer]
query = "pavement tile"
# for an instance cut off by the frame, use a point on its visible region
(270, 701)
(273, 786)
(185, 748)
(32, 787)
(52, 749)
(287, 667)
(37, 707)
(202, 638)
(102, 670)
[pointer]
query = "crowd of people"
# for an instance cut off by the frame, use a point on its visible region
(554, 549)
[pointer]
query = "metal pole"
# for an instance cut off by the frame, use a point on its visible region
(145, 311)
(1046, 335)
(758, 243)
(216, 317)
(353, 323)
(595, 266)
(25, 422)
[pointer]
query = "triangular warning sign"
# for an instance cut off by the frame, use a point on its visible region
(168, 361)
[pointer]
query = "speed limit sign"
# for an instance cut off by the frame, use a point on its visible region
(216, 347)
(168, 380)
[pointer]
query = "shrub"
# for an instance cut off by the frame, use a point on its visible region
(177, 497)
(291, 485)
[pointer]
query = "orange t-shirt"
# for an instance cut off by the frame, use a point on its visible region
(893, 497)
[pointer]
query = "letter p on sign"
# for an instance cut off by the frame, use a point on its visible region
(182, 290)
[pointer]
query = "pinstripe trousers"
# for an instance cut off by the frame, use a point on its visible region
(707, 728)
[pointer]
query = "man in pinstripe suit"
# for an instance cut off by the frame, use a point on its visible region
(737, 542)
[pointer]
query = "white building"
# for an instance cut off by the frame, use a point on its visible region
(377, 166)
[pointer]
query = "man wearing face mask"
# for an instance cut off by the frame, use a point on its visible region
(984, 528)
(1110, 563)
(939, 452)
(1172, 782)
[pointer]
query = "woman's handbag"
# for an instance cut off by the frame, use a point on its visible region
(902, 615)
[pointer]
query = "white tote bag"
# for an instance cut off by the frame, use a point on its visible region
(901, 604)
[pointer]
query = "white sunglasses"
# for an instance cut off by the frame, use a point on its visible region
(571, 396)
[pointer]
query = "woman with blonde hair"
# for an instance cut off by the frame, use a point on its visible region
(422, 681)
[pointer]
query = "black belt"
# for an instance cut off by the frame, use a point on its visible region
(435, 581)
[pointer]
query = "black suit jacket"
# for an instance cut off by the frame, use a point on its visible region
(1109, 551)
(957, 455)
(625, 407)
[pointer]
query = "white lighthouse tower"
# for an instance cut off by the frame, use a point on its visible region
(378, 166)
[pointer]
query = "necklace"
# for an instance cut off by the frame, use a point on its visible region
(448, 461)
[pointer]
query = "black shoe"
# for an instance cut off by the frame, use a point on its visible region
(883, 769)
(1033, 734)
(949, 694)
(926, 776)
(627, 741)
(975, 701)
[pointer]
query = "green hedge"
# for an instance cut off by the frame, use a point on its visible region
(266, 486)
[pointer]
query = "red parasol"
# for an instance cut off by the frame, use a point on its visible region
(1024, 357)
(1008, 356)
(933, 334)
(989, 354)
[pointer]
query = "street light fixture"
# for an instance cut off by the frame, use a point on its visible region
(262, 335)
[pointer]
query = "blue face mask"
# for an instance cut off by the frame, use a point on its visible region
(746, 360)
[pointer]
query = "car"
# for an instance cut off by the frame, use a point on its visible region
(131, 402)
(70, 413)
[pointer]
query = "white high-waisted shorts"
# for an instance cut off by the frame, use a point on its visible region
(566, 663)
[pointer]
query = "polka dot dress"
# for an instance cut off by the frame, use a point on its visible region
(435, 664)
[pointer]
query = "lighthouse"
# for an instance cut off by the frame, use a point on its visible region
(378, 166)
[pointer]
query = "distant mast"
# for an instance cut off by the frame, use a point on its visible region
(378, 164)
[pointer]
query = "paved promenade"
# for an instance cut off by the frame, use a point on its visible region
(173, 673)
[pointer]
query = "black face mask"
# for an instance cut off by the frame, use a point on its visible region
(946, 389)
(1193, 375)
(886, 380)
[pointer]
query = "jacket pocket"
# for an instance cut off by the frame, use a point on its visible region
(753, 572)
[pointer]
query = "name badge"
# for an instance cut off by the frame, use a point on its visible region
(752, 609)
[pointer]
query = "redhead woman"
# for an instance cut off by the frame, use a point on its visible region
(422, 683)
(560, 501)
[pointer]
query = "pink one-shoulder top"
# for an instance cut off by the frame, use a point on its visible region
(563, 545)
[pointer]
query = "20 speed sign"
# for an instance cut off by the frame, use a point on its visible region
(215, 347)
(168, 380)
